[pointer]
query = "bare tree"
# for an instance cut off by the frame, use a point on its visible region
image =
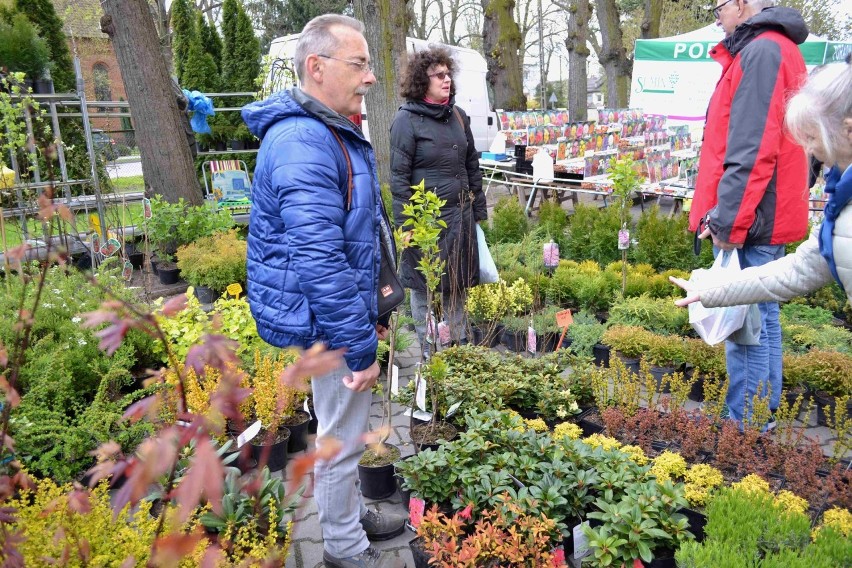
(447, 17)
(652, 17)
(613, 55)
(579, 14)
(501, 41)
(167, 163)
(386, 24)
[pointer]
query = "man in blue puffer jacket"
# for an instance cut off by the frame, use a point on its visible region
(314, 259)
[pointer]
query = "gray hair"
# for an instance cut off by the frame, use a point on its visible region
(317, 37)
(824, 102)
(760, 5)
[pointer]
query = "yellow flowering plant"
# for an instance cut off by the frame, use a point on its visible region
(791, 502)
(536, 424)
(838, 519)
(752, 483)
(636, 454)
(567, 430)
(272, 401)
(668, 466)
(604, 442)
(699, 482)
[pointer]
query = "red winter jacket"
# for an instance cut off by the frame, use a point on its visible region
(752, 176)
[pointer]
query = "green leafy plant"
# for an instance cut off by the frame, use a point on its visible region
(21, 47)
(656, 315)
(630, 341)
(509, 223)
(177, 224)
(585, 333)
(829, 372)
(214, 261)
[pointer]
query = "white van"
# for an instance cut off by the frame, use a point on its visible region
(471, 88)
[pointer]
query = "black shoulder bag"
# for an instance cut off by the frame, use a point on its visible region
(391, 293)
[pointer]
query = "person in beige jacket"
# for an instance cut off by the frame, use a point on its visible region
(819, 117)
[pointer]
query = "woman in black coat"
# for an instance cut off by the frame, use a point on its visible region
(431, 140)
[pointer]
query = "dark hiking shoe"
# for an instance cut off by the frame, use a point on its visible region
(380, 526)
(370, 558)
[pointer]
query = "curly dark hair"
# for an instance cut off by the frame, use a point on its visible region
(415, 80)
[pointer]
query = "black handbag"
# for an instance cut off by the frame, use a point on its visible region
(391, 293)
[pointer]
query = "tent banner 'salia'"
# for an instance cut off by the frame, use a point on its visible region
(675, 76)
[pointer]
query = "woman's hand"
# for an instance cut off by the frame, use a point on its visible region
(687, 287)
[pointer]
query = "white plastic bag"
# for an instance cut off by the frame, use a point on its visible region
(487, 268)
(714, 325)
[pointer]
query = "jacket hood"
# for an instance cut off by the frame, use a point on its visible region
(778, 18)
(438, 112)
(260, 116)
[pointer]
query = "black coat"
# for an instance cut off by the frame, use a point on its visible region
(428, 142)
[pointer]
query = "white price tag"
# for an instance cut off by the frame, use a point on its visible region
(395, 380)
(531, 347)
(420, 393)
(248, 434)
(418, 414)
(581, 545)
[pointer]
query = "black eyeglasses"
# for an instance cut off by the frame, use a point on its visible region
(718, 8)
(441, 75)
(364, 66)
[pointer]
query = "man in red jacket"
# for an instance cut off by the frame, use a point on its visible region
(751, 193)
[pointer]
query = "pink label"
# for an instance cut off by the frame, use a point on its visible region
(444, 333)
(416, 506)
(531, 347)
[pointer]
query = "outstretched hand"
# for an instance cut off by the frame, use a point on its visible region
(687, 287)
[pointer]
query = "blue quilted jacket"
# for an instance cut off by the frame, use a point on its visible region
(313, 266)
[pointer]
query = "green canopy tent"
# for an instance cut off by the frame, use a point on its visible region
(675, 76)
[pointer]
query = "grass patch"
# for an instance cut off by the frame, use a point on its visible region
(128, 184)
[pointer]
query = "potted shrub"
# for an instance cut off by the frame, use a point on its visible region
(278, 406)
(828, 374)
(21, 48)
(629, 342)
(518, 302)
(515, 332)
(486, 304)
(585, 333)
(213, 262)
(547, 332)
(376, 470)
(666, 355)
(658, 315)
(429, 435)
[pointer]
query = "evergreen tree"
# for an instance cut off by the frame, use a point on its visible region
(241, 49)
(199, 70)
(211, 42)
(183, 30)
(43, 15)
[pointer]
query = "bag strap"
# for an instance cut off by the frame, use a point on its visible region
(458, 117)
(348, 167)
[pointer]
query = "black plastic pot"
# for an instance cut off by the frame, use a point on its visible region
(377, 482)
(587, 426)
(697, 522)
(418, 553)
(632, 363)
(137, 259)
(662, 559)
(601, 353)
(825, 408)
(404, 494)
(515, 340)
(659, 373)
(205, 294)
(238, 145)
(299, 433)
(277, 453)
(696, 391)
(220, 146)
(546, 342)
(168, 275)
(155, 266)
(487, 336)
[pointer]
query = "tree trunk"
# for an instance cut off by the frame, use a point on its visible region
(501, 41)
(614, 60)
(577, 45)
(166, 158)
(651, 20)
(386, 23)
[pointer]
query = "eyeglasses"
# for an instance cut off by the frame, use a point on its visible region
(718, 8)
(441, 75)
(364, 66)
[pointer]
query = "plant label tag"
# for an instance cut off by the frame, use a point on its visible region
(581, 545)
(452, 409)
(418, 414)
(420, 393)
(234, 290)
(416, 507)
(444, 333)
(306, 407)
(564, 318)
(127, 271)
(147, 212)
(623, 239)
(531, 339)
(394, 380)
(248, 434)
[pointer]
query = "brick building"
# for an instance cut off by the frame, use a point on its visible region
(101, 73)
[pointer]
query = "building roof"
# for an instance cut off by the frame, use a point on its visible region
(81, 18)
(595, 84)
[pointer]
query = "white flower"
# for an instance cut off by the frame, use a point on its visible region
(76, 319)
(57, 291)
(46, 305)
(82, 342)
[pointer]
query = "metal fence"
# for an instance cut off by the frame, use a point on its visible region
(97, 171)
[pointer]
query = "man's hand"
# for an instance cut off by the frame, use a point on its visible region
(361, 381)
(382, 331)
(719, 244)
(687, 286)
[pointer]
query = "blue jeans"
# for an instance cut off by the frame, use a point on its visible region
(756, 369)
